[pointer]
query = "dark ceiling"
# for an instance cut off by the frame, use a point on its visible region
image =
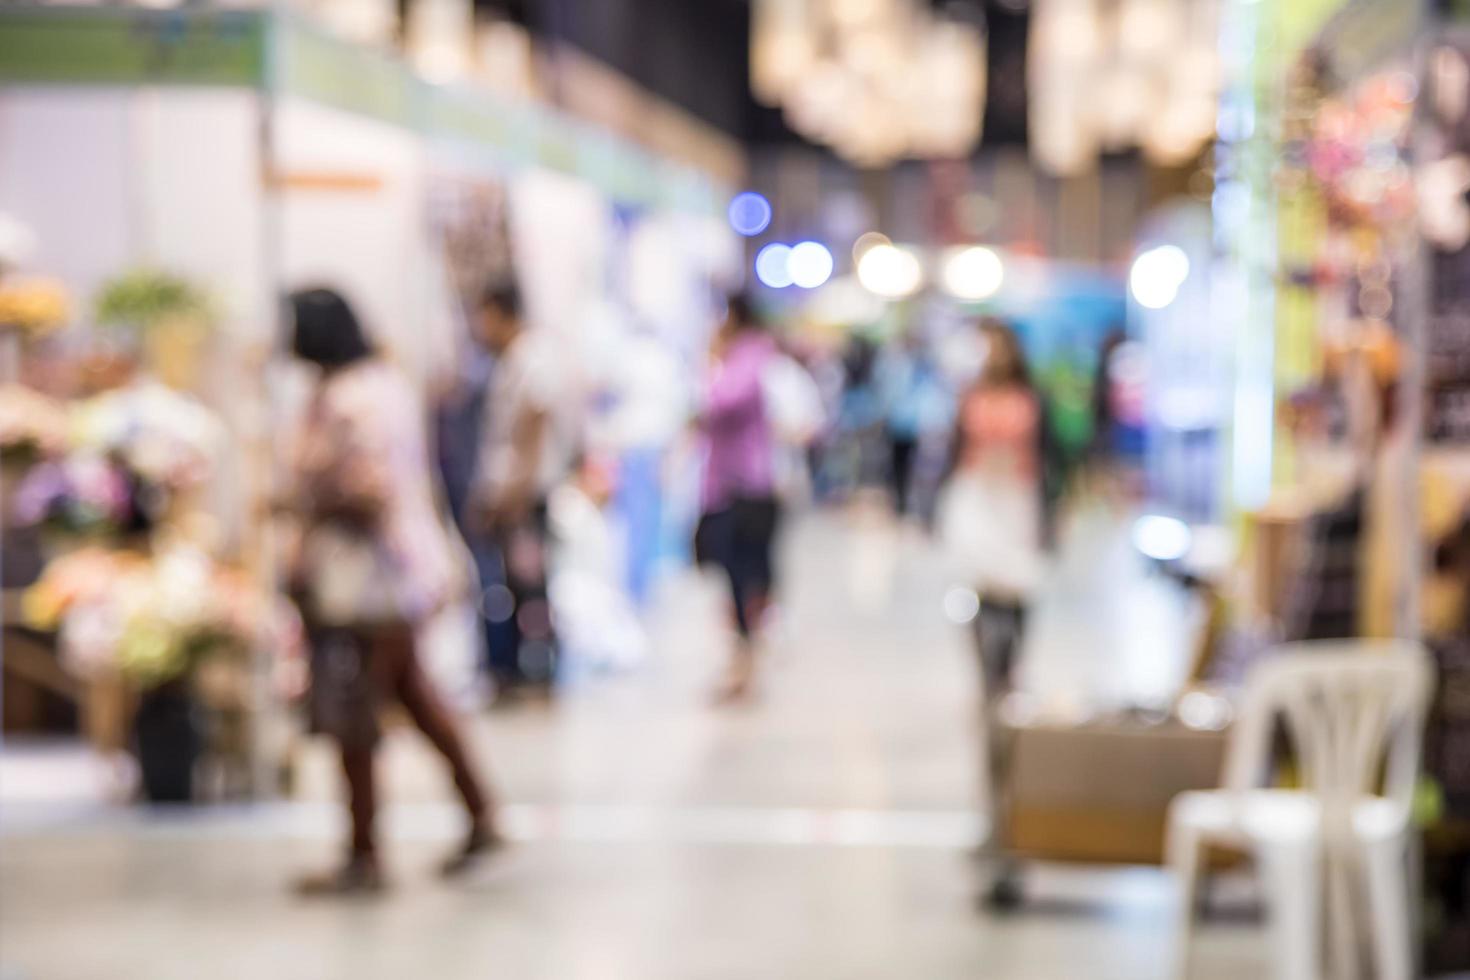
(694, 53)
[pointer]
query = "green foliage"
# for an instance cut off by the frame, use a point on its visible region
(144, 298)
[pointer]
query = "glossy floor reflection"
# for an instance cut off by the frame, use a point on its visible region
(821, 832)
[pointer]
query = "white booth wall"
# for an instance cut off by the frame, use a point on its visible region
(110, 179)
(353, 216)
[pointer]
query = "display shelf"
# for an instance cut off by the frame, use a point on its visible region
(283, 56)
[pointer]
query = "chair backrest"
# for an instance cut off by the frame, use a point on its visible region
(1353, 709)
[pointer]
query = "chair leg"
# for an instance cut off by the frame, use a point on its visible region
(1386, 865)
(1291, 872)
(1416, 887)
(1183, 855)
(1343, 945)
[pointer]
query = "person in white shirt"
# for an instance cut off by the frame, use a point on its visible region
(524, 455)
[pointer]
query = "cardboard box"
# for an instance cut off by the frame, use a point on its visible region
(1100, 792)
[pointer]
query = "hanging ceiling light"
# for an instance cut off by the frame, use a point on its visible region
(876, 80)
(1114, 74)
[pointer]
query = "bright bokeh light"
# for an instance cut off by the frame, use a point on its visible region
(1204, 712)
(889, 271)
(867, 241)
(1157, 275)
(750, 213)
(773, 265)
(973, 273)
(1161, 538)
(810, 264)
(961, 605)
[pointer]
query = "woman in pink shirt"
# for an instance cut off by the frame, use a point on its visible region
(739, 510)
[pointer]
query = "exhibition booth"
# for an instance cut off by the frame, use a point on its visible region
(166, 178)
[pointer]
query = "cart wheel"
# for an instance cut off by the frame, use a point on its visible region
(1006, 892)
(286, 776)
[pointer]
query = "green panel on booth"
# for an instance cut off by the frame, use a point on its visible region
(285, 55)
(111, 45)
(316, 66)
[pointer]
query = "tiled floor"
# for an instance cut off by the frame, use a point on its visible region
(821, 832)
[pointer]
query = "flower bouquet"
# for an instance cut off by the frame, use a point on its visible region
(175, 627)
(32, 307)
(32, 426)
(82, 494)
(166, 440)
(150, 619)
(133, 453)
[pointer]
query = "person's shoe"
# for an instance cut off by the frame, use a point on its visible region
(479, 845)
(506, 696)
(359, 876)
(733, 691)
(739, 682)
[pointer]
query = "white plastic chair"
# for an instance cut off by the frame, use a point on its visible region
(1354, 712)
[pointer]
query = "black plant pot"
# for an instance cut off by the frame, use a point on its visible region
(168, 737)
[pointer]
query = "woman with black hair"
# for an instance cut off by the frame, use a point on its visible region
(992, 519)
(739, 511)
(372, 564)
(996, 499)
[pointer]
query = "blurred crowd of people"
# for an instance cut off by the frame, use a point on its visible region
(967, 455)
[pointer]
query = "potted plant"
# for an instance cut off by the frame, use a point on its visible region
(154, 622)
(166, 316)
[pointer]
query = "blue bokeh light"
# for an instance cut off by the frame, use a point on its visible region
(773, 265)
(750, 213)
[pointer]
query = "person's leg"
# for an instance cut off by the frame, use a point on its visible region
(498, 614)
(527, 547)
(1013, 615)
(751, 573)
(415, 691)
(998, 628)
(362, 799)
(901, 450)
(343, 703)
(360, 873)
(640, 500)
(738, 674)
(406, 681)
(486, 558)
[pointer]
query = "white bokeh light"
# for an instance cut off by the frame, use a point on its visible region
(890, 271)
(1161, 538)
(773, 265)
(961, 604)
(866, 241)
(1157, 275)
(810, 264)
(973, 273)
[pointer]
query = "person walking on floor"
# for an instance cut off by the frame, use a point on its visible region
(370, 565)
(739, 510)
(524, 455)
(991, 521)
(914, 405)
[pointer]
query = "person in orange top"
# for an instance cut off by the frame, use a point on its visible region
(991, 522)
(993, 513)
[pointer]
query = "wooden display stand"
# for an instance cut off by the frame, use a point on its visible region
(1099, 793)
(1276, 533)
(105, 707)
